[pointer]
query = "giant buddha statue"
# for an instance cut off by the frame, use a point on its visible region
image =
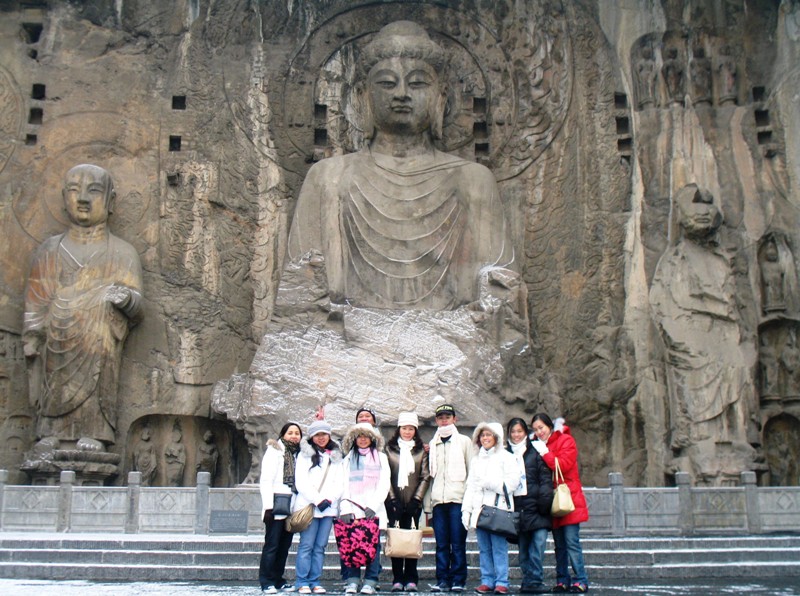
(400, 288)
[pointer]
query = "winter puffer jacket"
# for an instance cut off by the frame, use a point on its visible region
(534, 506)
(561, 445)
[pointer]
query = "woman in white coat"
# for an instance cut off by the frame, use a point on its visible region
(319, 481)
(490, 470)
(277, 478)
(366, 484)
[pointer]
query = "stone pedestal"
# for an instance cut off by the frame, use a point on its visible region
(91, 468)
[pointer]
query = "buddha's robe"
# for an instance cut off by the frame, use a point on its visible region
(401, 233)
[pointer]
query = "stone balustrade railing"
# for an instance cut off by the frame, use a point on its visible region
(616, 511)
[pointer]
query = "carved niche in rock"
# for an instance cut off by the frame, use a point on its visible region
(708, 373)
(782, 450)
(83, 295)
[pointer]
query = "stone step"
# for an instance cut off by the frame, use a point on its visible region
(233, 558)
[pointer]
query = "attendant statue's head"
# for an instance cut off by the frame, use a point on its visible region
(699, 215)
(405, 94)
(88, 195)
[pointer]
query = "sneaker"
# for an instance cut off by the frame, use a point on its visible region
(457, 588)
(319, 590)
(411, 587)
(368, 589)
(351, 589)
(560, 588)
(439, 588)
(500, 590)
(269, 590)
(484, 589)
(578, 588)
(397, 587)
(288, 588)
(304, 590)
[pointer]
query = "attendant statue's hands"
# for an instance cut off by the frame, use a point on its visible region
(119, 296)
(31, 345)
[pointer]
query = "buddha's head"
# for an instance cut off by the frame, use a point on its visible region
(402, 70)
(88, 195)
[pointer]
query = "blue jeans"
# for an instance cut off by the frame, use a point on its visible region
(311, 552)
(451, 545)
(531, 556)
(370, 575)
(569, 553)
(493, 558)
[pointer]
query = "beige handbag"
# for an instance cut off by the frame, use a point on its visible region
(562, 499)
(302, 518)
(403, 544)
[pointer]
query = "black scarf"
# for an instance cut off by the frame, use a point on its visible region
(289, 459)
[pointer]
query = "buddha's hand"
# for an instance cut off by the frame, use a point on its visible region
(119, 296)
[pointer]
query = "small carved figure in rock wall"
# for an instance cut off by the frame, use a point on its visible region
(700, 70)
(646, 78)
(790, 361)
(726, 76)
(207, 455)
(144, 458)
(694, 305)
(782, 450)
(175, 457)
(674, 75)
(769, 369)
(773, 278)
(83, 295)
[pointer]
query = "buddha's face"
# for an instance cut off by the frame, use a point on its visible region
(86, 194)
(403, 93)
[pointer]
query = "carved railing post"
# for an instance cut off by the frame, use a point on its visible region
(66, 484)
(3, 482)
(134, 494)
(201, 503)
(685, 503)
(751, 502)
(616, 483)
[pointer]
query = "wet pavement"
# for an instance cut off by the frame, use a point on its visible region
(26, 587)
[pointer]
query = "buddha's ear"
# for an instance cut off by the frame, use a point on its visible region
(437, 117)
(364, 107)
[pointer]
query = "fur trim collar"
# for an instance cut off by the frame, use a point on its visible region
(495, 427)
(362, 428)
(308, 450)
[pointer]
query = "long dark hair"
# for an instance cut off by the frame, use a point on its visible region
(511, 424)
(315, 458)
(544, 418)
(287, 426)
(417, 441)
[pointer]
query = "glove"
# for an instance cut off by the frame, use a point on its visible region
(347, 518)
(414, 507)
(323, 505)
(540, 447)
(369, 512)
(465, 515)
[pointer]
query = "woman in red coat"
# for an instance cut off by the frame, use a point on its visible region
(552, 444)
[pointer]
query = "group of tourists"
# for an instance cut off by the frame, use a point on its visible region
(390, 484)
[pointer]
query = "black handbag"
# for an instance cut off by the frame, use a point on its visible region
(498, 521)
(281, 504)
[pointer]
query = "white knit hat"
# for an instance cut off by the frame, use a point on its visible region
(408, 419)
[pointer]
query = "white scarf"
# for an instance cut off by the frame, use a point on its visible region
(406, 467)
(518, 449)
(442, 431)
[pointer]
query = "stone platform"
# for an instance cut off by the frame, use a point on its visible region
(234, 558)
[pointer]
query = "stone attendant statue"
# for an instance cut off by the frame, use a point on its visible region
(175, 457)
(400, 286)
(82, 297)
(144, 458)
(694, 305)
(207, 455)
